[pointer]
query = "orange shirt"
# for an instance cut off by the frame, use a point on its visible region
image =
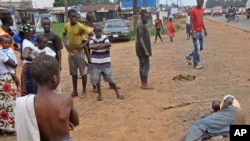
(196, 15)
(2, 32)
(171, 28)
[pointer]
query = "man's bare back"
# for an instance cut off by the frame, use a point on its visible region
(52, 113)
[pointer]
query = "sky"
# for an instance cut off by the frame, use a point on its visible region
(183, 2)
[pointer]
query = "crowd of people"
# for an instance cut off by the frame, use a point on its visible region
(89, 52)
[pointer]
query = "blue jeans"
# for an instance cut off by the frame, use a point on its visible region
(217, 123)
(96, 72)
(198, 46)
(144, 65)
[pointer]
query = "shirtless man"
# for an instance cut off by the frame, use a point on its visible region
(53, 112)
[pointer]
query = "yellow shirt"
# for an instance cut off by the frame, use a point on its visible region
(85, 37)
(75, 33)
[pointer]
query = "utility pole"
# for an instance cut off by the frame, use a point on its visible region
(135, 14)
(66, 10)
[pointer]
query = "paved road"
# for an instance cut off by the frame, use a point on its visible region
(243, 23)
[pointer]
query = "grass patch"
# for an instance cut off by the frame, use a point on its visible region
(179, 24)
(178, 27)
(132, 35)
(151, 31)
(58, 28)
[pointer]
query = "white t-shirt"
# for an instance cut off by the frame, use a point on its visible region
(34, 50)
(188, 19)
(48, 51)
(10, 53)
(3, 59)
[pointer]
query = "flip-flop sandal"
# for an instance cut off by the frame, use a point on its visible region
(114, 88)
(99, 98)
(121, 97)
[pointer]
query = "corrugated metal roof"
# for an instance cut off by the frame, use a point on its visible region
(91, 8)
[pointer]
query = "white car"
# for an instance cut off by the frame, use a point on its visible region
(207, 11)
(248, 9)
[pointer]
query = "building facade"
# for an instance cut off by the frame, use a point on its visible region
(27, 3)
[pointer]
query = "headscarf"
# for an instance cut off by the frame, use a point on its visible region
(27, 28)
(24, 29)
(170, 17)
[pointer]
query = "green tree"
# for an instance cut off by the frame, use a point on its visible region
(59, 3)
(212, 3)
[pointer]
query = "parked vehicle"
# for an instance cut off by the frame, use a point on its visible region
(241, 10)
(207, 11)
(248, 9)
(116, 29)
(217, 10)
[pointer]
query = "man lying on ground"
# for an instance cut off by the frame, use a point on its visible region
(217, 123)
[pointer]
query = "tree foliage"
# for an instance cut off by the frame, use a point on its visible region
(225, 3)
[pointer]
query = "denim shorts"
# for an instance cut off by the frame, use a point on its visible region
(144, 65)
(97, 71)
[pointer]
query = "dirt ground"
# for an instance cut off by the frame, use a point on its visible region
(141, 116)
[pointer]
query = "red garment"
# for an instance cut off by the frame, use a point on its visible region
(158, 23)
(196, 15)
(171, 28)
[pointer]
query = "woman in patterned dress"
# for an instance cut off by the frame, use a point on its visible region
(8, 93)
(28, 52)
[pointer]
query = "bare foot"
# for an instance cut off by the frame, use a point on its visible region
(99, 98)
(110, 87)
(121, 96)
(74, 94)
(147, 87)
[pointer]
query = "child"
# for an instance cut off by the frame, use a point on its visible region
(6, 42)
(42, 46)
(171, 28)
(158, 26)
(76, 49)
(101, 62)
(188, 26)
(90, 16)
(7, 22)
(85, 38)
(47, 115)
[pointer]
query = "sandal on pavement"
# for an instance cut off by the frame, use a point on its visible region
(99, 98)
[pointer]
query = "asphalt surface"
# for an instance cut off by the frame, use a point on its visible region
(243, 23)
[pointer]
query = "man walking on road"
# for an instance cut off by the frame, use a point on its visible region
(197, 27)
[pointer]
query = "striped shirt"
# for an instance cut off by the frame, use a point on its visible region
(100, 57)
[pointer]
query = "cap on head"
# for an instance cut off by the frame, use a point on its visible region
(227, 96)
